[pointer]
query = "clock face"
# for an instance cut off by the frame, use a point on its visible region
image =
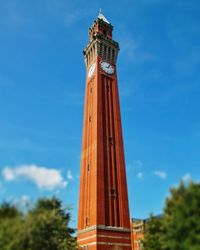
(107, 67)
(91, 70)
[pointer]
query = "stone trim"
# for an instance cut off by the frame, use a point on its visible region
(107, 228)
(108, 244)
(104, 236)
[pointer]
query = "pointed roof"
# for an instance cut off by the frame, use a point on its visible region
(101, 16)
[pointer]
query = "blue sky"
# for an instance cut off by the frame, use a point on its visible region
(42, 82)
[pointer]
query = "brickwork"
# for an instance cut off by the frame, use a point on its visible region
(103, 220)
(137, 233)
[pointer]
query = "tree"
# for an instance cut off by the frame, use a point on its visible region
(181, 220)
(8, 211)
(179, 227)
(152, 239)
(44, 227)
(48, 222)
(11, 220)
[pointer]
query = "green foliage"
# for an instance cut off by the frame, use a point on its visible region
(11, 221)
(181, 221)
(44, 227)
(8, 211)
(179, 227)
(153, 229)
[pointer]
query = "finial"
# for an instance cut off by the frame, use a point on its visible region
(100, 11)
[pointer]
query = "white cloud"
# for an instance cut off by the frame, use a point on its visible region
(160, 174)
(140, 175)
(187, 177)
(43, 177)
(69, 175)
(8, 174)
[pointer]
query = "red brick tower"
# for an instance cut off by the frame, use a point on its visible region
(103, 221)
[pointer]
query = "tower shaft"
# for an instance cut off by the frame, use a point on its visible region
(103, 221)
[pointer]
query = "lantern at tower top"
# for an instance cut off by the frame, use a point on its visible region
(101, 26)
(101, 44)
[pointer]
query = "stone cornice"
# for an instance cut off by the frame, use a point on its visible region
(106, 228)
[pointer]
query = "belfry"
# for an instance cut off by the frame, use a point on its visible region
(103, 217)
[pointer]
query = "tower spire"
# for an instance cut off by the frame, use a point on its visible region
(101, 16)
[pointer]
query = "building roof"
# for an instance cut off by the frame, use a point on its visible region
(146, 219)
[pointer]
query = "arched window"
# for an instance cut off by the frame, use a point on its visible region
(100, 49)
(105, 50)
(113, 55)
(109, 54)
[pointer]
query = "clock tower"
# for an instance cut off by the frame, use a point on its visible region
(103, 219)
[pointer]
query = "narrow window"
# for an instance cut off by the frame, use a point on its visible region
(91, 54)
(89, 57)
(100, 49)
(107, 87)
(113, 55)
(112, 191)
(110, 140)
(86, 221)
(92, 51)
(109, 54)
(105, 50)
